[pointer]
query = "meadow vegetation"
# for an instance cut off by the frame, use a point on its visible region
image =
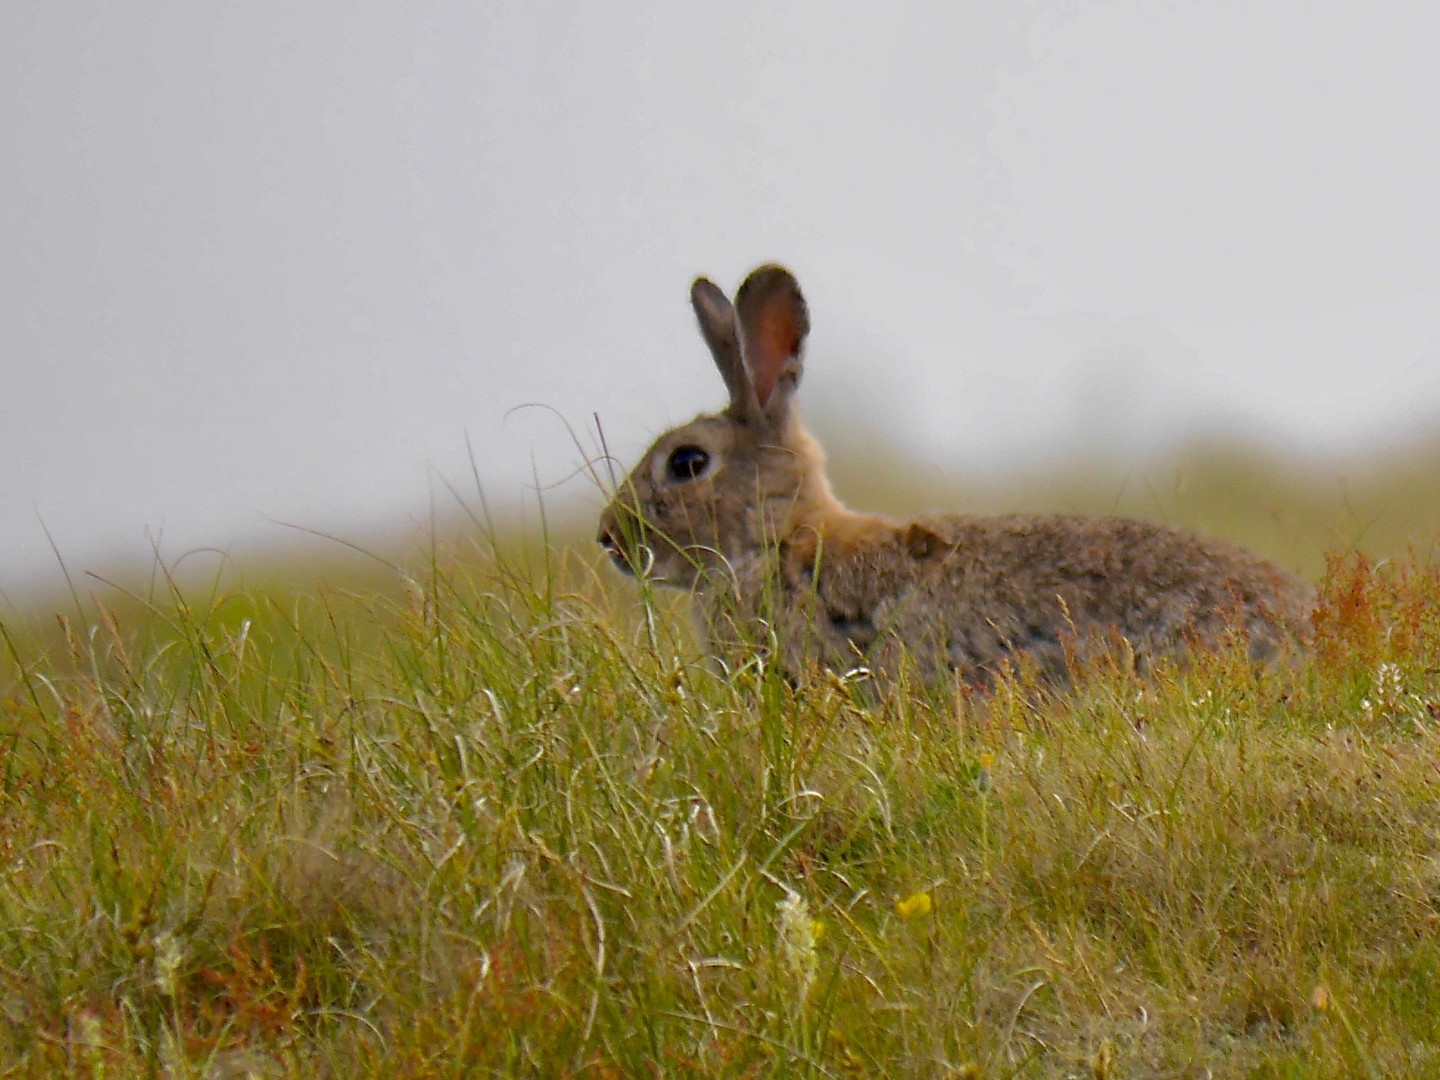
(501, 821)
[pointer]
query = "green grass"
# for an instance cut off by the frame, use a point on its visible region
(507, 824)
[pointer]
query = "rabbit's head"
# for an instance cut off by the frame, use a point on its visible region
(723, 487)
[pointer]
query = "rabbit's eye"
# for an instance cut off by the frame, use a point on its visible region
(687, 462)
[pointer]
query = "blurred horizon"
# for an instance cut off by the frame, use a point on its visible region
(1294, 508)
(308, 265)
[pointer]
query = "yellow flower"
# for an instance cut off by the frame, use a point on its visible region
(913, 906)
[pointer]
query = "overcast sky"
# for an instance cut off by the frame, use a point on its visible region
(279, 261)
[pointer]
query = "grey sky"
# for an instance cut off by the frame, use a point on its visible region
(277, 261)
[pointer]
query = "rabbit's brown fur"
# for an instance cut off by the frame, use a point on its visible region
(736, 506)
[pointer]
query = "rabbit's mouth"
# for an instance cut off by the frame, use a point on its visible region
(638, 564)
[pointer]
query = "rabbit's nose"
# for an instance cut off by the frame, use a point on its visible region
(608, 536)
(609, 539)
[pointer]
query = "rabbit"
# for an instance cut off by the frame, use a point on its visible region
(736, 507)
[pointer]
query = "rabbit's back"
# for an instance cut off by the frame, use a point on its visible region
(964, 593)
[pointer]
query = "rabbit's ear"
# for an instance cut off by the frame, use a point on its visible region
(717, 326)
(773, 323)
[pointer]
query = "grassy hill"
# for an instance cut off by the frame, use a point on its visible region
(491, 818)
